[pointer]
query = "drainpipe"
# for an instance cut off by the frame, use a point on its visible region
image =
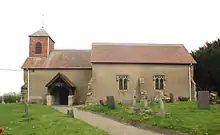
(28, 81)
(190, 88)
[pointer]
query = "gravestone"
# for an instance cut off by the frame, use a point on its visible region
(203, 99)
(70, 112)
(161, 112)
(134, 98)
(111, 102)
(145, 102)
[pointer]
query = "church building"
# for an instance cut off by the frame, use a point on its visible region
(122, 70)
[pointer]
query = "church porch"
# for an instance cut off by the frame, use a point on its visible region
(61, 91)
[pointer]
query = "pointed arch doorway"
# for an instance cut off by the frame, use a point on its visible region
(60, 88)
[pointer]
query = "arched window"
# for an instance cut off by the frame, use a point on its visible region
(38, 48)
(161, 84)
(120, 84)
(157, 84)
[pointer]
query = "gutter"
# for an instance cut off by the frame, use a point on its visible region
(161, 63)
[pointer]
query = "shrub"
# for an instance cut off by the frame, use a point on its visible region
(10, 98)
(183, 98)
(37, 101)
(218, 101)
(33, 102)
(171, 97)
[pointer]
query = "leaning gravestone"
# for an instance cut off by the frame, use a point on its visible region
(111, 102)
(203, 99)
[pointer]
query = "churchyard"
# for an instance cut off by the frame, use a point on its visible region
(175, 117)
(161, 115)
(43, 121)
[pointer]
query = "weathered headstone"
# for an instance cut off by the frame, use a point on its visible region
(111, 102)
(133, 108)
(160, 98)
(134, 98)
(203, 99)
(150, 100)
(70, 112)
(145, 102)
(161, 111)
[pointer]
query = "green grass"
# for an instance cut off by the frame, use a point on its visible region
(184, 117)
(44, 121)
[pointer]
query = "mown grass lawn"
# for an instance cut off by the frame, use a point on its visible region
(184, 117)
(44, 121)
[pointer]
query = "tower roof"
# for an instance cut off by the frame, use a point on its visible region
(40, 33)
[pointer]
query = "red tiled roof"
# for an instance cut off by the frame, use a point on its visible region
(140, 53)
(113, 53)
(41, 33)
(61, 59)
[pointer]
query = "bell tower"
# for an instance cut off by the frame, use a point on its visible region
(41, 44)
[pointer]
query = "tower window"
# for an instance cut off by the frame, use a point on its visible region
(38, 48)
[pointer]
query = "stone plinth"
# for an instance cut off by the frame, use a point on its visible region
(49, 100)
(70, 100)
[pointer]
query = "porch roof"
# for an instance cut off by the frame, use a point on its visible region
(63, 77)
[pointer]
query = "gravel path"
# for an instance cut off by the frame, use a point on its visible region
(111, 126)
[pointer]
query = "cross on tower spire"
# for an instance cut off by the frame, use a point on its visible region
(42, 21)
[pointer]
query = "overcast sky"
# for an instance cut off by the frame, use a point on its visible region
(75, 24)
